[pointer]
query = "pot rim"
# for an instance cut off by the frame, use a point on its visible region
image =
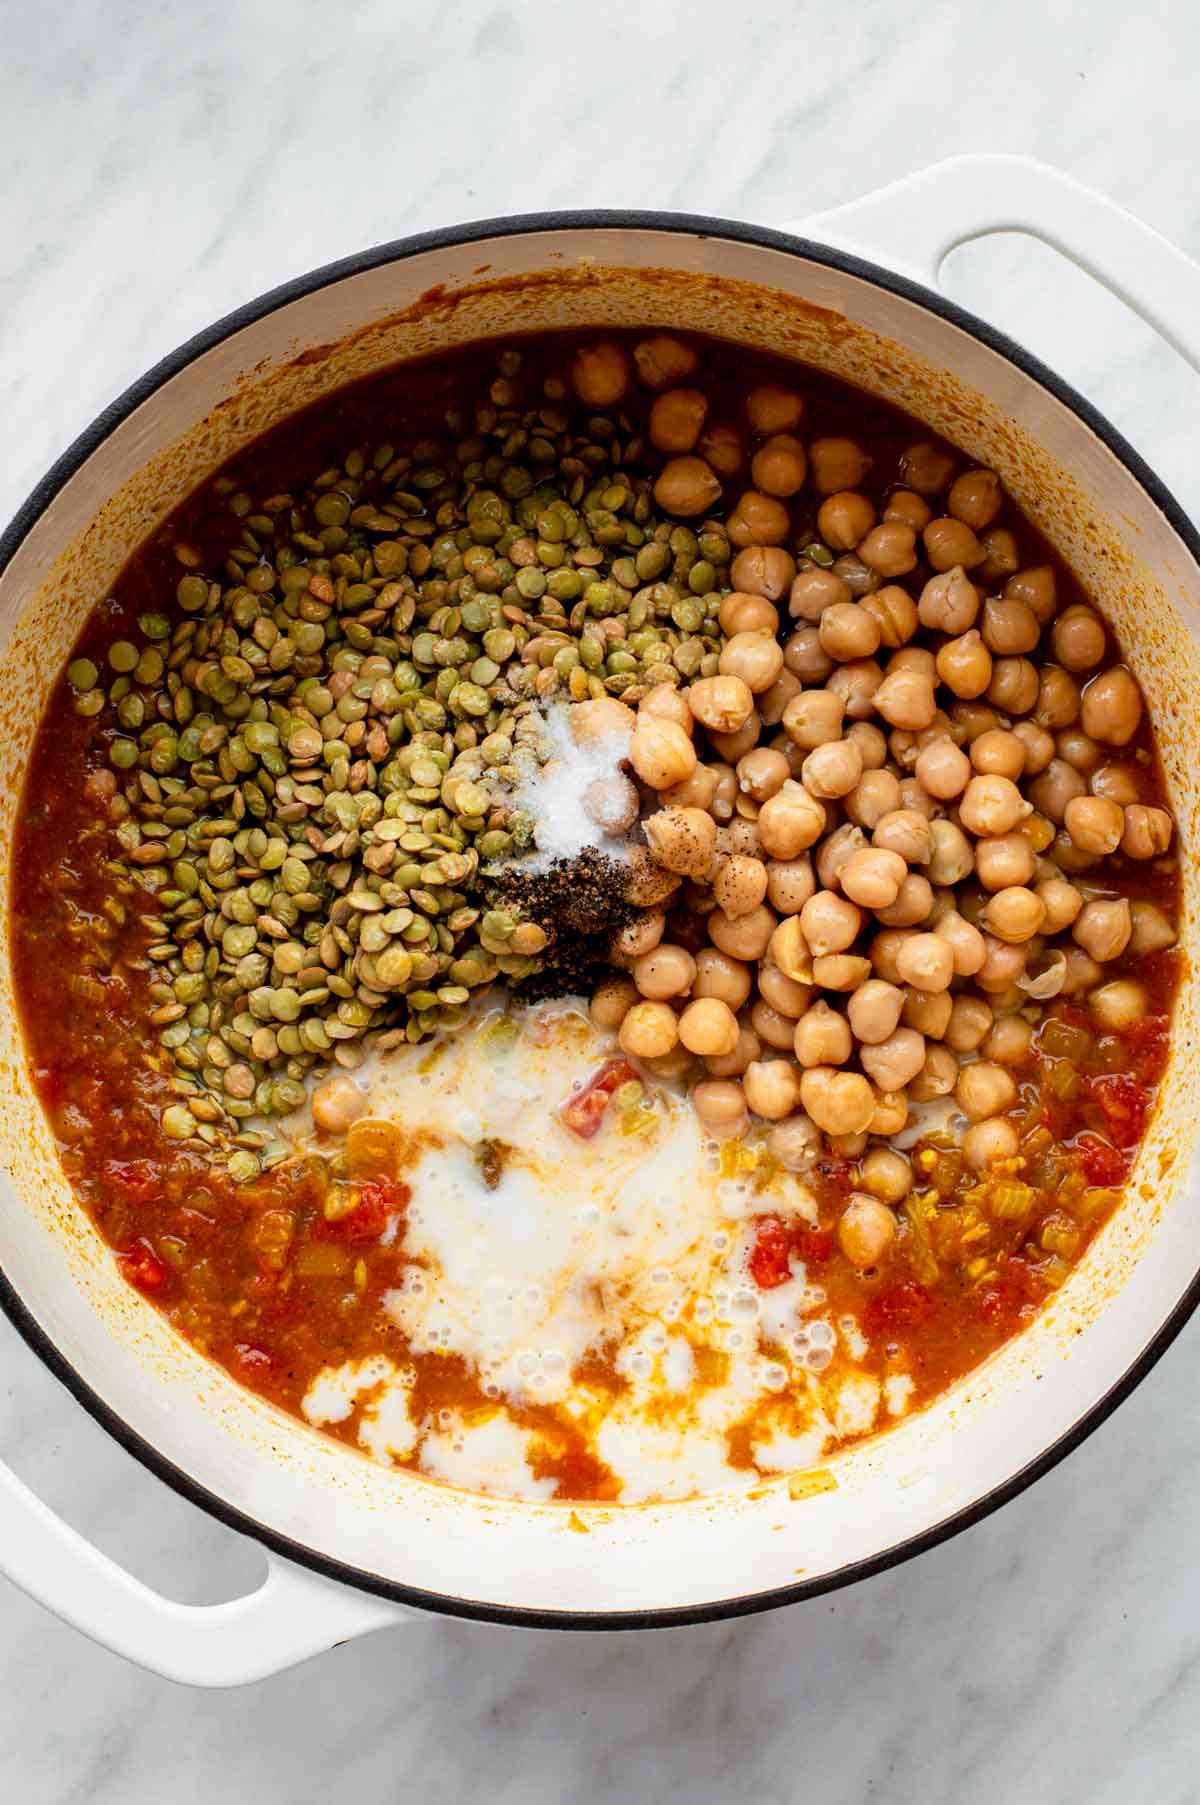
(90, 440)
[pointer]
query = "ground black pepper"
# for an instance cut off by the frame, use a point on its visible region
(580, 902)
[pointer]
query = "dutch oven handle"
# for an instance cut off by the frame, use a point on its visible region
(913, 225)
(294, 1614)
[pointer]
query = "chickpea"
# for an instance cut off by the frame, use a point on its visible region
(1057, 698)
(976, 497)
(790, 821)
(830, 923)
(1001, 559)
(754, 658)
(885, 954)
(1069, 857)
(1038, 587)
(896, 613)
(1112, 707)
(762, 773)
(677, 420)
(894, 1062)
(649, 1030)
(600, 374)
(814, 719)
(1015, 914)
(890, 548)
(1010, 627)
(876, 794)
(838, 1102)
(1119, 1004)
(695, 791)
(873, 876)
(890, 1115)
(988, 1141)
(866, 1231)
(1116, 783)
(740, 884)
(951, 544)
(721, 1107)
(856, 683)
(984, 1089)
(770, 408)
(760, 575)
(840, 971)
(847, 631)
(844, 518)
(822, 1037)
(949, 602)
(772, 704)
(790, 883)
(779, 465)
(835, 849)
(992, 805)
(970, 1021)
(836, 463)
(1151, 931)
(1062, 903)
(874, 1011)
(708, 1027)
(965, 941)
(950, 855)
(1014, 686)
(926, 961)
(667, 703)
(1079, 750)
(1145, 832)
(758, 519)
(641, 935)
(743, 936)
(887, 1175)
(788, 951)
(1009, 1041)
(337, 1103)
(907, 506)
(998, 753)
(965, 665)
(662, 360)
(795, 1143)
(832, 770)
(937, 1077)
(970, 720)
(1038, 745)
(661, 752)
(928, 1011)
(733, 746)
(1002, 965)
(722, 976)
(1103, 927)
(913, 904)
(905, 699)
(783, 994)
(906, 832)
(722, 704)
(666, 971)
(1058, 786)
(721, 446)
(682, 840)
(1094, 824)
(772, 1088)
(813, 590)
(943, 768)
(686, 486)
(927, 467)
(914, 658)
(1080, 972)
(1079, 638)
(612, 1000)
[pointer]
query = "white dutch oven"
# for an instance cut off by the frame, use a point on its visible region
(349, 1543)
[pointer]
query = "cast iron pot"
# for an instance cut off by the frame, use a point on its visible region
(353, 1546)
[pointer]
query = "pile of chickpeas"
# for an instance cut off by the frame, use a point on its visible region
(886, 815)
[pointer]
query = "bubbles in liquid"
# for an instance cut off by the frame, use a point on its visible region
(818, 1358)
(744, 1302)
(821, 1334)
(656, 1338)
(672, 1309)
(640, 1364)
(735, 1341)
(720, 1241)
(774, 1376)
(702, 1310)
(660, 1276)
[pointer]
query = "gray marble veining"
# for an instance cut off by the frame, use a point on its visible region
(165, 163)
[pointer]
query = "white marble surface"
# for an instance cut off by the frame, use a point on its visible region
(163, 163)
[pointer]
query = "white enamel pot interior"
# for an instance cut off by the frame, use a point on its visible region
(388, 1531)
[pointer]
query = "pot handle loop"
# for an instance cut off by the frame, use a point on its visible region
(913, 224)
(293, 1615)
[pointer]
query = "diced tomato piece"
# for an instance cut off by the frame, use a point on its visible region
(1001, 1303)
(903, 1306)
(584, 1112)
(769, 1262)
(1126, 1106)
(1101, 1163)
(378, 1198)
(142, 1267)
(814, 1245)
(134, 1180)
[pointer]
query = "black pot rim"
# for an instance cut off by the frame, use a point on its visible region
(399, 250)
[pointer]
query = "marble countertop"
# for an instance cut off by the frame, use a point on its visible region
(165, 163)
